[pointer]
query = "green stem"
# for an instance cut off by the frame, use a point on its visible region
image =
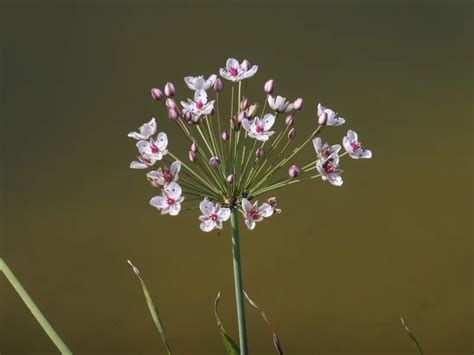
(239, 291)
(25, 297)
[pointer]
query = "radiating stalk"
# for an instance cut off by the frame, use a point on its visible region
(239, 290)
(40, 318)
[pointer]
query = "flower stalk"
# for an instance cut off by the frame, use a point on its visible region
(239, 290)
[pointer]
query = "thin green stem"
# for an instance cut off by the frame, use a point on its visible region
(40, 318)
(239, 290)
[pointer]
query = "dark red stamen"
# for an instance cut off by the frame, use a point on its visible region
(171, 201)
(213, 217)
(234, 72)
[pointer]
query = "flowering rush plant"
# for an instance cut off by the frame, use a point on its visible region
(236, 156)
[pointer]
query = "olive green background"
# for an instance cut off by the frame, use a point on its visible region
(335, 271)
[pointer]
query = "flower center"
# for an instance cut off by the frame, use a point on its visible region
(213, 217)
(199, 104)
(170, 201)
(355, 145)
(167, 176)
(233, 71)
(254, 214)
(260, 129)
(329, 167)
(154, 148)
(326, 152)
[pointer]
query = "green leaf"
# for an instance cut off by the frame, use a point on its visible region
(153, 309)
(230, 346)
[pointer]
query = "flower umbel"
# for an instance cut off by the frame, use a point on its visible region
(234, 159)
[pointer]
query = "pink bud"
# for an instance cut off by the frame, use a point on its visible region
(241, 116)
(294, 171)
(292, 134)
(218, 85)
(187, 116)
(214, 161)
(269, 86)
(173, 114)
(289, 120)
(194, 147)
(246, 65)
(244, 104)
(192, 156)
(259, 153)
(230, 179)
(322, 119)
(170, 103)
(169, 89)
(156, 94)
(225, 136)
(298, 104)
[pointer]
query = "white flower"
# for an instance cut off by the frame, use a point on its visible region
(199, 83)
(170, 201)
(259, 128)
(324, 151)
(144, 161)
(235, 72)
(354, 148)
(146, 130)
(199, 106)
(212, 215)
(280, 104)
(254, 213)
(154, 149)
(329, 169)
(330, 117)
(162, 177)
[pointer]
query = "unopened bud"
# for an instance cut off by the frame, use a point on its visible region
(298, 104)
(230, 179)
(214, 161)
(192, 156)
(260, 152)
(289, 120)
(170, 103)
(169, 89)
(187, 116)
(246, 65)
(194, 147)
(218, 85)
(252, 110)
(173, 114)
(225, 136)
(234, 124)
(241, 116)
(292, 134)
(322, 119)
(156, 94)
(244, 104)
(269, 86)
(293, 171)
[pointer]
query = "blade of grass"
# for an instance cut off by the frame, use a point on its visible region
(40, 318)
(276, 340)
(412, 336)
(230, 346)
(153, 309)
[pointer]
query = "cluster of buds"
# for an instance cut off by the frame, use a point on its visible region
(235, 158)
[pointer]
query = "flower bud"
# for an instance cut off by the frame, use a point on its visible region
(294, 171)
(241, 116)
(214, 161)
(169, 89)
(230, 179)
(260, 152)
(192, 156)
(194, 147)
(225, 136)
(173, 114)
(187, 116)
(156, 94)
(298, 104)
(246, 65)
(322, 119)
(289, 120)
(218, 85)
(244, 104)
(170, 103)
(292, 134)
(252, 110)
(235, 124)
(269, 86)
